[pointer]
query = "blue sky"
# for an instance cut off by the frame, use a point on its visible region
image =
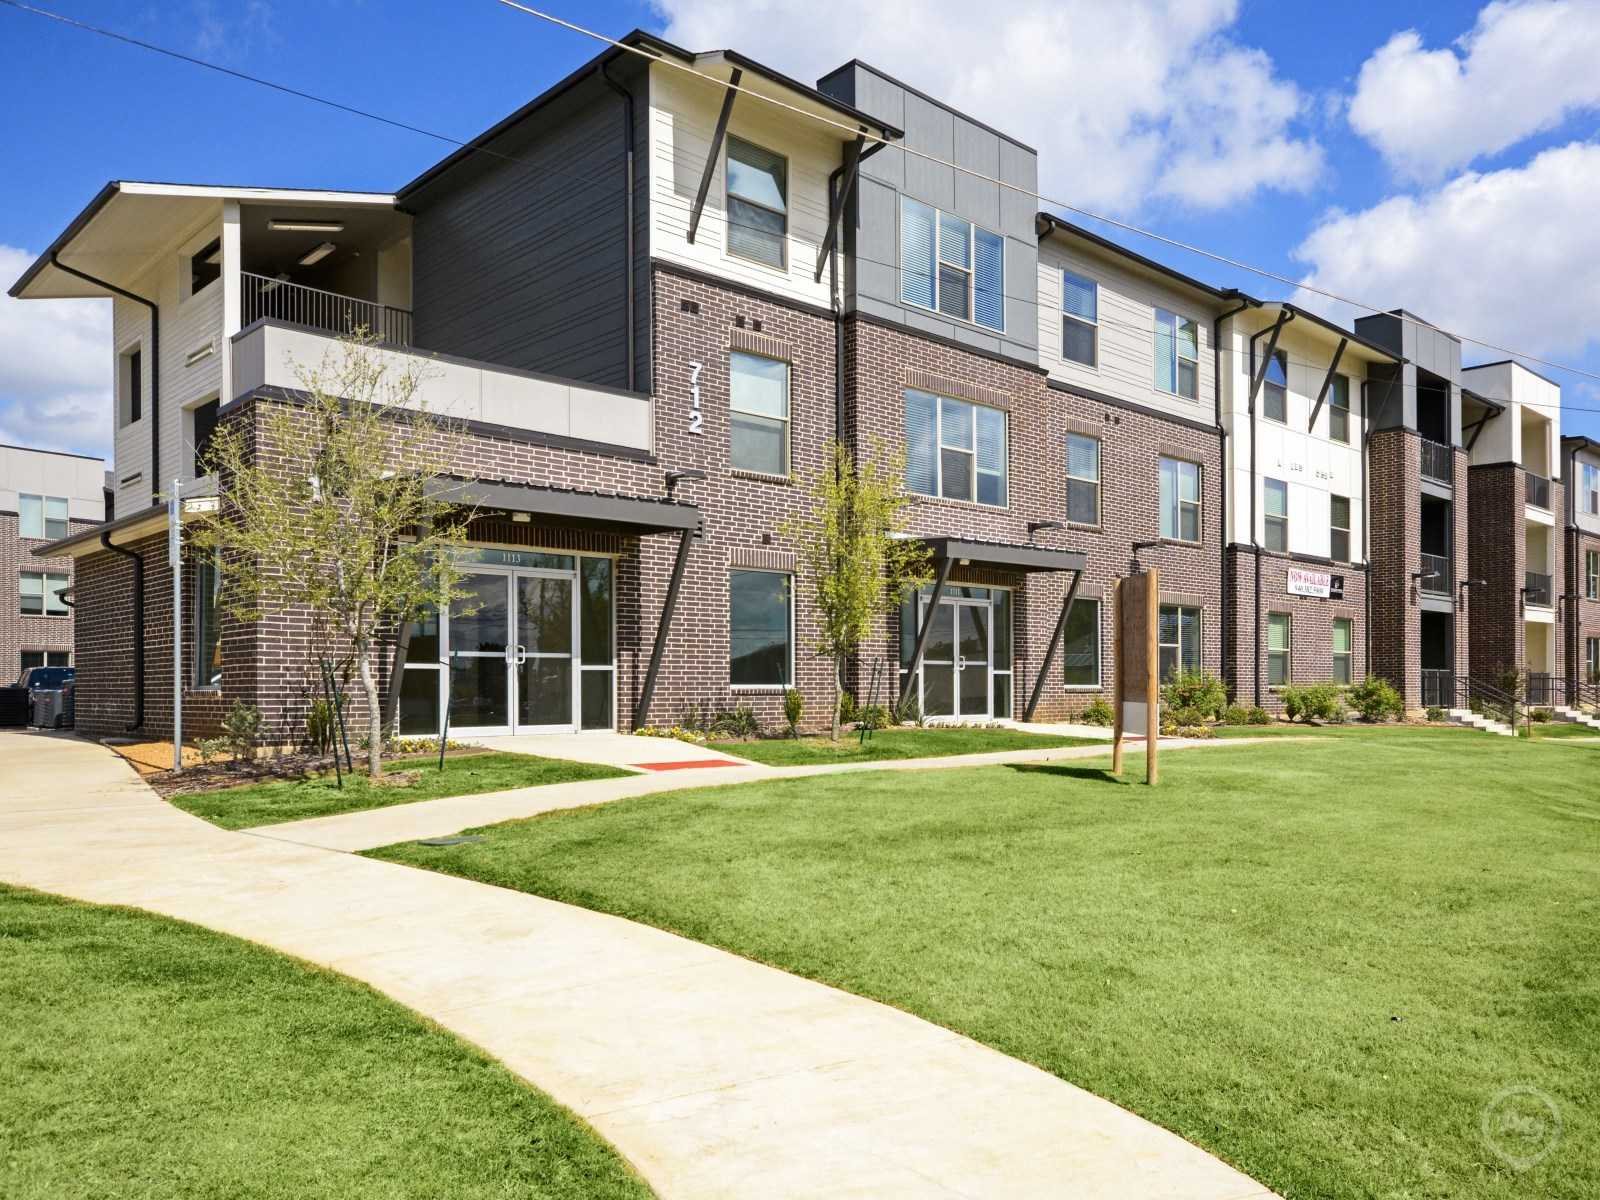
(1393, 152)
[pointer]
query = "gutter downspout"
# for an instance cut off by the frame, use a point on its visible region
(1285, 315)
(835, 298)
(1222, 443)
(138, 627)
(1366, 550)
(155, 368)
(630, 269)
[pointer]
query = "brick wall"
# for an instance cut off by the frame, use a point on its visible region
(17, 632)
(1310, 626)
(1583, 614)
(1498, 556)
(1394, 474)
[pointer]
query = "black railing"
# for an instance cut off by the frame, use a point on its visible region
(1538, 490)
(1437, 462)
(261, 296)
(1438, 688)
(1537, 589)
(1487, 700)
(1436, 575)
(1542, 689)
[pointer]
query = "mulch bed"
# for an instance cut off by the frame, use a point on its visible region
(215, 777)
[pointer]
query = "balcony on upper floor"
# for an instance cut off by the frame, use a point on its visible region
(266, 297)
(1437, 461)
(1537, 490)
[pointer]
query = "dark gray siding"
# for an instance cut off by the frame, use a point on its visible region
(520, 255)
(1422, 346)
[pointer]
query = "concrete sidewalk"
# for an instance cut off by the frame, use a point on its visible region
(713, 1075)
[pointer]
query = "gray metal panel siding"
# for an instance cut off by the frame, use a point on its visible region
(521, 262)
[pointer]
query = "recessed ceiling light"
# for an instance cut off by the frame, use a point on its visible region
(306, 226)
(316, 254)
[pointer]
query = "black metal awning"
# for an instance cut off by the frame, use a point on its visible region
(637, 514)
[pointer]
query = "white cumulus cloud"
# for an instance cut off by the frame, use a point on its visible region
(1523, 68)
(55, 368)
(1509, 256)
(1145, 99)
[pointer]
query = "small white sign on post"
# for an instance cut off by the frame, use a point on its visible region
(1310, 583)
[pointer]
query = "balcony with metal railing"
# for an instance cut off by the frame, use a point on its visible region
(1537, 589)
(1437, 462)
(262, 296)
(1538, 490)
(1436, 573)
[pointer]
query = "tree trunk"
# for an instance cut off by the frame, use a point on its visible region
(369, 688)
(838, 693)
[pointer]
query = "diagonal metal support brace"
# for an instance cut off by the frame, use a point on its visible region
(714, 153)
(1266, 359)
(852, 167)
(1477, 427)
(1055, 644)
(642, 710)
(1327, 382)
(927, 627)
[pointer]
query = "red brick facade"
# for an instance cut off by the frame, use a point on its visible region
(1311, 621)
(1582, 611)
(18, 632)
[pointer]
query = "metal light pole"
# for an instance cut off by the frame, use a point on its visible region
(175, 561)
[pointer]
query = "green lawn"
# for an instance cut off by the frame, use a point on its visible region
(1320, 960)
(1558, 729)
(319, 795)
(933, 742)
(142, 1057)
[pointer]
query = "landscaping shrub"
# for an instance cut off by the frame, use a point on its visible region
(1258, 716)
(320, 726)
(241, 731)
(680, 733)
(847, 708)
(909, 712)
(1236, 714)
(1376, 700)
(1316, 702)
(794, 707)
(1194, 698)
(1539, 715)
(1097, 713)
(739, 723)
(873, 716)
(1435, 714)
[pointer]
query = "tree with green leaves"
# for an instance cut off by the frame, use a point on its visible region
(857, 562)
(337, 501)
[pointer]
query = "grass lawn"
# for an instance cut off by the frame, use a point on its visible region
(933, 742)
(1320, 960)
(1558, 729)
(142, 1057)
(320, 795)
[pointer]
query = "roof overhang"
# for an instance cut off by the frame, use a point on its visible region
(1047, 224)
(637, 514)
(1363, 348)
(129, 222)
(1006, 555)
(200, 499)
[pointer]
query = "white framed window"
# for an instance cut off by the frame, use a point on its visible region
(42, 517)
(758, 203)
(41, 594)
(1343, 641)
(1339, 409)
(951, 266)
(761, 629)
(1592, 659)
(1083, 479)
(758, 399)
(1589, 489)
(1178, 641)
(955, 449)
(1275, 507)
(1180, 500)
(1275, 388)
(1591, 574)
(1080, 645)
(205, 266)
(130, 386)
(46, 658)
(1080, 320)
(1177, 352)
(207, 628)
(1279, 633)
(1339, 528)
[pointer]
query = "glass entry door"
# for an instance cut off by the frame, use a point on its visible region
(957, 663)
(512, 640)
(480, 654)
(546, 634)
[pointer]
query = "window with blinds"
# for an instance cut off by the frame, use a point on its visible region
(1177, 354)
(1080, 644)
(758, 403)
(1275, 388)
(1178, 641)
(1080, 319)
(1278, 637)
(1180, 500)
(1083, 479)
(1339, 409)
(1275, 508)
(951, 266)
(1339, 528)
(1343, 641)
(954, 449)
(758, 203)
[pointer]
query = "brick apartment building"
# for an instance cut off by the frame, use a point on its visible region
(650, 302)
(44, 496)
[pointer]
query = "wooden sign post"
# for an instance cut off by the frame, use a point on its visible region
(1137, 709)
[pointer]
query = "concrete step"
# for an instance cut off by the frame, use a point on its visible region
(1472, 720)
(1575, 716)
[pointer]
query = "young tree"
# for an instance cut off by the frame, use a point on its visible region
(333, 501)
(857, 566)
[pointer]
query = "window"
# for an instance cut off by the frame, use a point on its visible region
(758, 203)
(1179, 641)
(42, 517)
(1277, 514)
(1591, 574)
(1339, 528)
(1592, 658)
(1277, 649)
(1339, 409)
(1343, 639)
(207, 643)
(759, 400)
(205, 427)
(205, 266)
(130, 387)
(1589, 496)
(955, 449)
(759, 629)
(1177, 355)
(1080, 645)
(950, 265)
(1275, 388)
(41, 594)
(46, 658)
(1180, 500)
(1083, 479)
(1080, 319)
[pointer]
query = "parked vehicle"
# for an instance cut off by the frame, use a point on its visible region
(16, 700)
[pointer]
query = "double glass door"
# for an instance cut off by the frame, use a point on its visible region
(513, 663)
(958, 660)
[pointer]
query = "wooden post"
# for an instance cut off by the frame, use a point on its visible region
(1119, 673)
(1137, 654)
(1152, 675)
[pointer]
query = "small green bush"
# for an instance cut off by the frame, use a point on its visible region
(1435, 714)
(1316, 702)
(739, 723)
(320, 726)
(241, 731)
(1539, 715)
(1258, 716)
(847, 708)
(1236, 714)
(1097, 713)
(873, 716)
(794, 707)
(1194, 698)
(1376, 700)
(909, 712)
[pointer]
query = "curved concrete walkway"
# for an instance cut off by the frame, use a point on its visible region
(713, 1075)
